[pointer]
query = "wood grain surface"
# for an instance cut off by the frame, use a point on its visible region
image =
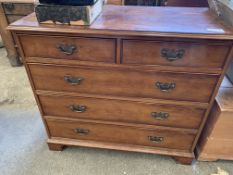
(86, 49)
(141, 84)
(122, 111)
(195, 54)
(141, 21)
(120, 134)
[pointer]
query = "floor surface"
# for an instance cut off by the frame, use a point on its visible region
(23, 150)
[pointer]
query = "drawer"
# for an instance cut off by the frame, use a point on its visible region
(166, 138)
(174, 53)
(18, 8)
(122, 111)
(76, 48)
(122, 82)
(13, 18)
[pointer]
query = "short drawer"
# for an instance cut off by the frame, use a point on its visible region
(184, 54)
(122, 111)
(76, 48)
(18, 8)
(161, 137)
(124, 82)
(142, 84)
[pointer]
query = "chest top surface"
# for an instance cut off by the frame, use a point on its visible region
(142, 21)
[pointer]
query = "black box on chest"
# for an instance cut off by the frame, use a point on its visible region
(69, 2)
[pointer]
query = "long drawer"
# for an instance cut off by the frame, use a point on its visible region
(75, 48)
(133, 83)
(122, 111)
(161, 137)
(184, 54)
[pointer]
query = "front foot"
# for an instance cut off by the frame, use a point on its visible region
(55, 147)
(184, 160)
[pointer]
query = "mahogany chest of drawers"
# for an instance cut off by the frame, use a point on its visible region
(140, 80)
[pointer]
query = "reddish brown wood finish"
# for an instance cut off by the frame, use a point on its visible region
(55, 147)
(113, 84)
(87, 49)
(120, 134)
(122, 147)
(122, 111)
(196, 54)
(124, 82)
(184, 160)
(141, 21)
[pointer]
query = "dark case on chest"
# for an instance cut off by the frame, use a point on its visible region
(69, 2)
(145, 2)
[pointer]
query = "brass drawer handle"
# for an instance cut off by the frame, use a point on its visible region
(9, 6)
(160, 115)
(172, 54)
(165, 87)
(78, 108)
(73, 80)
(155, 139)
(81, 131)
(67, 49)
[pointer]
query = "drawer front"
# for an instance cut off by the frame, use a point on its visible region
(122, 111)
(142, 84)
(165, 138)
(76, 48)
(18, 8)
(174, 54)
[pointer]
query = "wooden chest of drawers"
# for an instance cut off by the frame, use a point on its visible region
(131, 81)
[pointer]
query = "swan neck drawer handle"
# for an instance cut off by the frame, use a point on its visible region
(160, 115)
(155, 139)
(81, 131)
(67, 49)
(165, 87)
(172, 54)
(78, 108)
(73, 80)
